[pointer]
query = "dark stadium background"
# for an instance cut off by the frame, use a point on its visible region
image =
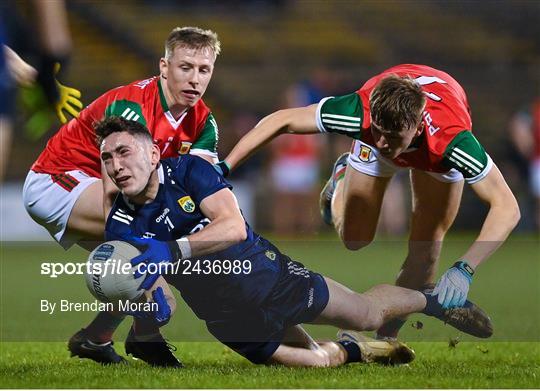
(492, 48)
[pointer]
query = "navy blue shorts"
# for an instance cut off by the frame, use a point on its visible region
(299, 296)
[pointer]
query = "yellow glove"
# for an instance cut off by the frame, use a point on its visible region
(68, 99)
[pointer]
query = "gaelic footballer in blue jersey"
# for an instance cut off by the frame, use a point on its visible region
(181, 209)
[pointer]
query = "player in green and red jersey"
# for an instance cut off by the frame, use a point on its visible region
(66, 193)
(409, 116)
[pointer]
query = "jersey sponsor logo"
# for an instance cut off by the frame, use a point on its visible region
(184, 147)
(121, 216)
(162, 215)
(148, 235)
(466, 161)
(365, 153)
(343, 123)
(187, 204)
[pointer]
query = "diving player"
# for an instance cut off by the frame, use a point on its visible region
(65, 191)
(408, 117)
(185, 211)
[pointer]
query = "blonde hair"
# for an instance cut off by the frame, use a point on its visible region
(193, 38)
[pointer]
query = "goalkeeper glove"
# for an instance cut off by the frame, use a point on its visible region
(68, 99)
(37, 102)
(453, 286)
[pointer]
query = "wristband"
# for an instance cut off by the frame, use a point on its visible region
(464, 267)
(184, 248)
(46, 77)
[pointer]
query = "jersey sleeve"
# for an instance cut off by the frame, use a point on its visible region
(467, 155)
(202, 180)
(341, 114)
(206, 144)
(127, 109)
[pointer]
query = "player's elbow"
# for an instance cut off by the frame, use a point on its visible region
(509, 211)
(515, 214)
(237, 231)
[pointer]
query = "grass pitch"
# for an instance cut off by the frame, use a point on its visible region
(33, 351)
(210, 365)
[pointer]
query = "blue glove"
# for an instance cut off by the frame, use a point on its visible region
(162, 315)
(222, 168)
(155, 252)
(453, 286)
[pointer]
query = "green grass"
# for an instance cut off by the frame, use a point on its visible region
(210, 365)
(33, 349)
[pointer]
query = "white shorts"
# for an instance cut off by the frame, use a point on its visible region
(49, 199)
(368, 160)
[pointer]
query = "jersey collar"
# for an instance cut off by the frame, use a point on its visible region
(161, 175)
(165, 107)
(163, 101)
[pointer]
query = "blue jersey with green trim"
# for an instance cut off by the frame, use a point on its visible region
(175, 212)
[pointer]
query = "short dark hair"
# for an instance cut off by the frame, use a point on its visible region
(396, 103)
(116, 124)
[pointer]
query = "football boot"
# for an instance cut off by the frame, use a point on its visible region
(156, 352)
(79, 345)
(325, 199)
(389, 352)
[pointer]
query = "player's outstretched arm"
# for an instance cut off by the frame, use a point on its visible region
(502, 217)
(227, 225)
(23, 73)
(300, 120)
(226, 228)
(453, 287)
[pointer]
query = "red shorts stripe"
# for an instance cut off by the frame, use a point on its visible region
(66, 181)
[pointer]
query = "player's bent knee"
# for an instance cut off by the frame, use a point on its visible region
(355, 245)
(353, 241)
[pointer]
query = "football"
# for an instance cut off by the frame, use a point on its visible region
(109, 274)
